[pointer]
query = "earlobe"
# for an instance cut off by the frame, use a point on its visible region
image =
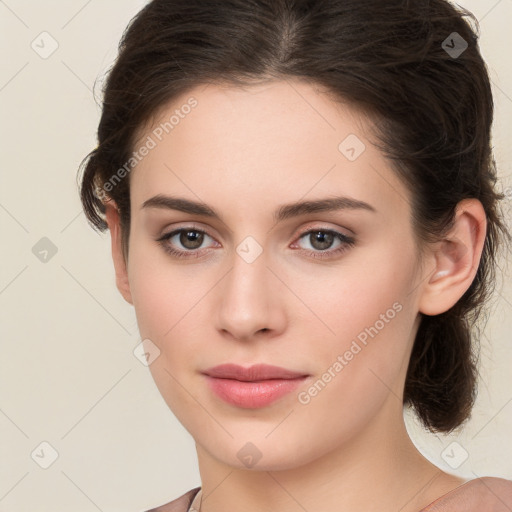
(113, 221)
(456, 259)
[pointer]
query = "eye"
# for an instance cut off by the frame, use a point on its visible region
(322, 239)
(190, 238)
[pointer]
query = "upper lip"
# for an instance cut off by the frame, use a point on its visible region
(252, 373)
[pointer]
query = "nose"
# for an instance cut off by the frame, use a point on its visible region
(250, 301)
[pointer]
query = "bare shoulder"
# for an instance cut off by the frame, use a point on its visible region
(484, 494)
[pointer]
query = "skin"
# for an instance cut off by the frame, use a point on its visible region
(244, 152)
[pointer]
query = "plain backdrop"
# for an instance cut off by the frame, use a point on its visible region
(73, 396)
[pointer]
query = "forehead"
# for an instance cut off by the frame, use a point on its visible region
(283, 139)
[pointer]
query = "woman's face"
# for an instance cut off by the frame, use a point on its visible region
(262, 282)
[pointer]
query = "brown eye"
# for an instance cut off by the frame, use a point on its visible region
(321, 240)
(184, 242)
(191, 239)
(321, 243)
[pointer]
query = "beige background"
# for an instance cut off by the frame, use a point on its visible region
(68, 375)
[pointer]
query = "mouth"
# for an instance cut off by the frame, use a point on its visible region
(257, 372)
(253, 387)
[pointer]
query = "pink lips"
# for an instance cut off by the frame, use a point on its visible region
(253, 387)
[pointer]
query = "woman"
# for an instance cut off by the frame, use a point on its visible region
(301, 201)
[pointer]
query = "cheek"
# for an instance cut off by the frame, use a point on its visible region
(364, 364)
(366, 289)
(163, 292)
(167, 305)
(366, 318)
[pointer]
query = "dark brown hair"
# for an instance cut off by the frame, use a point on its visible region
(393, 59)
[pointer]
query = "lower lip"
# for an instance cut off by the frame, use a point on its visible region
(252, 395)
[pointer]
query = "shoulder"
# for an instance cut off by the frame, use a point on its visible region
(180, 504)
(484, 494)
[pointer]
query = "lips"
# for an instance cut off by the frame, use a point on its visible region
(254, 387)
(254, 373)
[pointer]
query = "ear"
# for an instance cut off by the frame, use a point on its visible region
(113, 221)
(454, 261)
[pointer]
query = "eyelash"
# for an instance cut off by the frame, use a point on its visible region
(345, 240)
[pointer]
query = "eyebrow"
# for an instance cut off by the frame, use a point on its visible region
(284, 212)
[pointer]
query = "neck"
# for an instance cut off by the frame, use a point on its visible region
(377, 469)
